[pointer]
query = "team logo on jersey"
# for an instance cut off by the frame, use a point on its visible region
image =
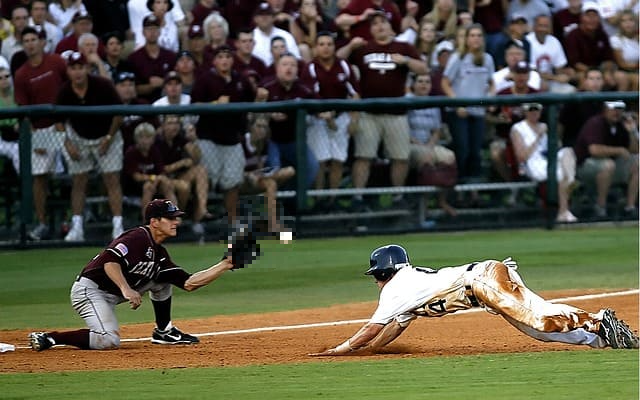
(149, 253)
(122, 249)
(341, 77)
(380, 62)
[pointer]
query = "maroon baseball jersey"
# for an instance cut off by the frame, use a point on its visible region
(285, 131)
(589, 50)
(228, 128)
(363, 28)
(142, 260)
(144, 66)
(337, 82)
(597, 130)
(100, 92)
(40, 85)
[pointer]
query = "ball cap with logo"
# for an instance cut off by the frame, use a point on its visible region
(161, 208)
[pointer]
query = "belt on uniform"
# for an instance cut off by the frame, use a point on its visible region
(86, 282)
(468, 292)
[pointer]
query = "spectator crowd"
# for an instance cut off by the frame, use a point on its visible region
(181, 52)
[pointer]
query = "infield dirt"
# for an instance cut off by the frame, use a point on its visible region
(457, 334)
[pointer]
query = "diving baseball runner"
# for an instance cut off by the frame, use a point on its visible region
(407, 292)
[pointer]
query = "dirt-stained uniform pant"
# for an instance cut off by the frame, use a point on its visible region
(97, 308)
(501, 290)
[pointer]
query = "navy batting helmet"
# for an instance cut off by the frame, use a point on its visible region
(385, 261)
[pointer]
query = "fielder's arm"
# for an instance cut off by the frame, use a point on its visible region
(206, 276)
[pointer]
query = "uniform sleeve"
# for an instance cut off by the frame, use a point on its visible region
(170, 272)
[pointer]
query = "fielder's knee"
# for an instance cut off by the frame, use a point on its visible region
(104, 340)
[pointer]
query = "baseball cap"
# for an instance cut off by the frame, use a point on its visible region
(150, 20)
(195, 31)
(80, 15)
(184, 53)
(224, 48)
(531, 106)
(517, 18)
(522, 67)
(76, 58)
(161, 208)
(615, 105)
(37, 30)
(172, 76)
(590, 6)
(379, 12)
(445, 45)
(125, 76)
(264, 9)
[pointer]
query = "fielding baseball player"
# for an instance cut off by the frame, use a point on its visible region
(132, 264)
(407, 292)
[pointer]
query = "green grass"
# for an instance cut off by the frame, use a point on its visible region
(554, 375)
(34, 290)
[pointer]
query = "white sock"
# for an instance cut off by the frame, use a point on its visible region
(76, 222)
(117, 220)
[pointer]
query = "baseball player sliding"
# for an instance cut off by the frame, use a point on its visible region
(131, 265)
(407, 292)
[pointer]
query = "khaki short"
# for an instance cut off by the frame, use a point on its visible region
(90, 157)
(437, 155)
(392, 130)
(588, 170)
(46, 146)
(224, 164)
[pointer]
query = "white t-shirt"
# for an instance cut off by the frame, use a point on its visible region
(629, 47)
(547, 56)
(62, 17)
(262, 48)
(608, 8)
(138, 10)
(500, 81)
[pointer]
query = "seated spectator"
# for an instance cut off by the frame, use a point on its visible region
(216, 34)
(491, 14)
(425, 127)
(425, 40)
(125, 84)
(354, 17)
(261, 179)
(245, 63)
(567, 19)
(548, 57)
(9, 134)
(169, 28)
(445, 18)
(62, 12)
(529, 9)
(113, 60)
(186, 70)
(13, 44)
(265, 30)
(305, 24)
(202, 9)
(38, 16)
(138, 10)
(181, 157)
(514, 35)
(196, 46)
(530, 144)
(442, 52)
(278, 48)
(607, 153)
(88, 47)
(283, 13)
(626, 50)
(503, 78)
(143, 169)
(82, 23)
(176, 97)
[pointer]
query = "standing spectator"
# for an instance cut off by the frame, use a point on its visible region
(607, 152)
(62, 12)
(113, 61)
(278, 48)
(305, 25)
(151, 62)
(186, 70)
(202, 9)
(491, 14)
(37, 82)
(354, 18)
(196, 46)
(125, 84)
(216, 34)
(503, 78)
(169, 37)
(514, 35)
(588, 46)
(138, 10)
(82, 23)
(425, 125)
(574, 115)
(143, 168)
(547, 55)
(220, 134)
(244, 61)
(384, 65)
(328, 136)
(611, 12)
(282, 144)
(91, 141)
(445, 17)
(468, 74)
(442, 53)
(38, 16)
(531, 144)
(265, 31)
(425, 40)
(9, 134)
(181, 157)
(567, 19)
(626, 50)
(283, 13)
(88, 47)
(529, 9)
(175, 96)
(13, 44)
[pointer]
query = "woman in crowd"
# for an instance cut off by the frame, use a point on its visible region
(626, 52)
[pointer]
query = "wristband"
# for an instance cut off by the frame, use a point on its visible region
(152, 178)
(344, 347)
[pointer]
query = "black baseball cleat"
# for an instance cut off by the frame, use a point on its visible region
(626, 338)
(172, 336)
(609, 328)
(40, 341)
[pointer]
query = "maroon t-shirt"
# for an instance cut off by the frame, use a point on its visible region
(564, 21)
(363, 28)
(228, 128)
(40, 85)
(142, 260)
(255, 67)
(145, 67)
(491, 17)
(134, 161)
(285, 131)
(337, 82)
(100, 92)
(239, 13)
(513, 111)
(70, 43)
(587, 49)
(200, 13)
(172, 152)
(597, 130)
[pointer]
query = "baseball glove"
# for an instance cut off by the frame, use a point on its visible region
(243, 246)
